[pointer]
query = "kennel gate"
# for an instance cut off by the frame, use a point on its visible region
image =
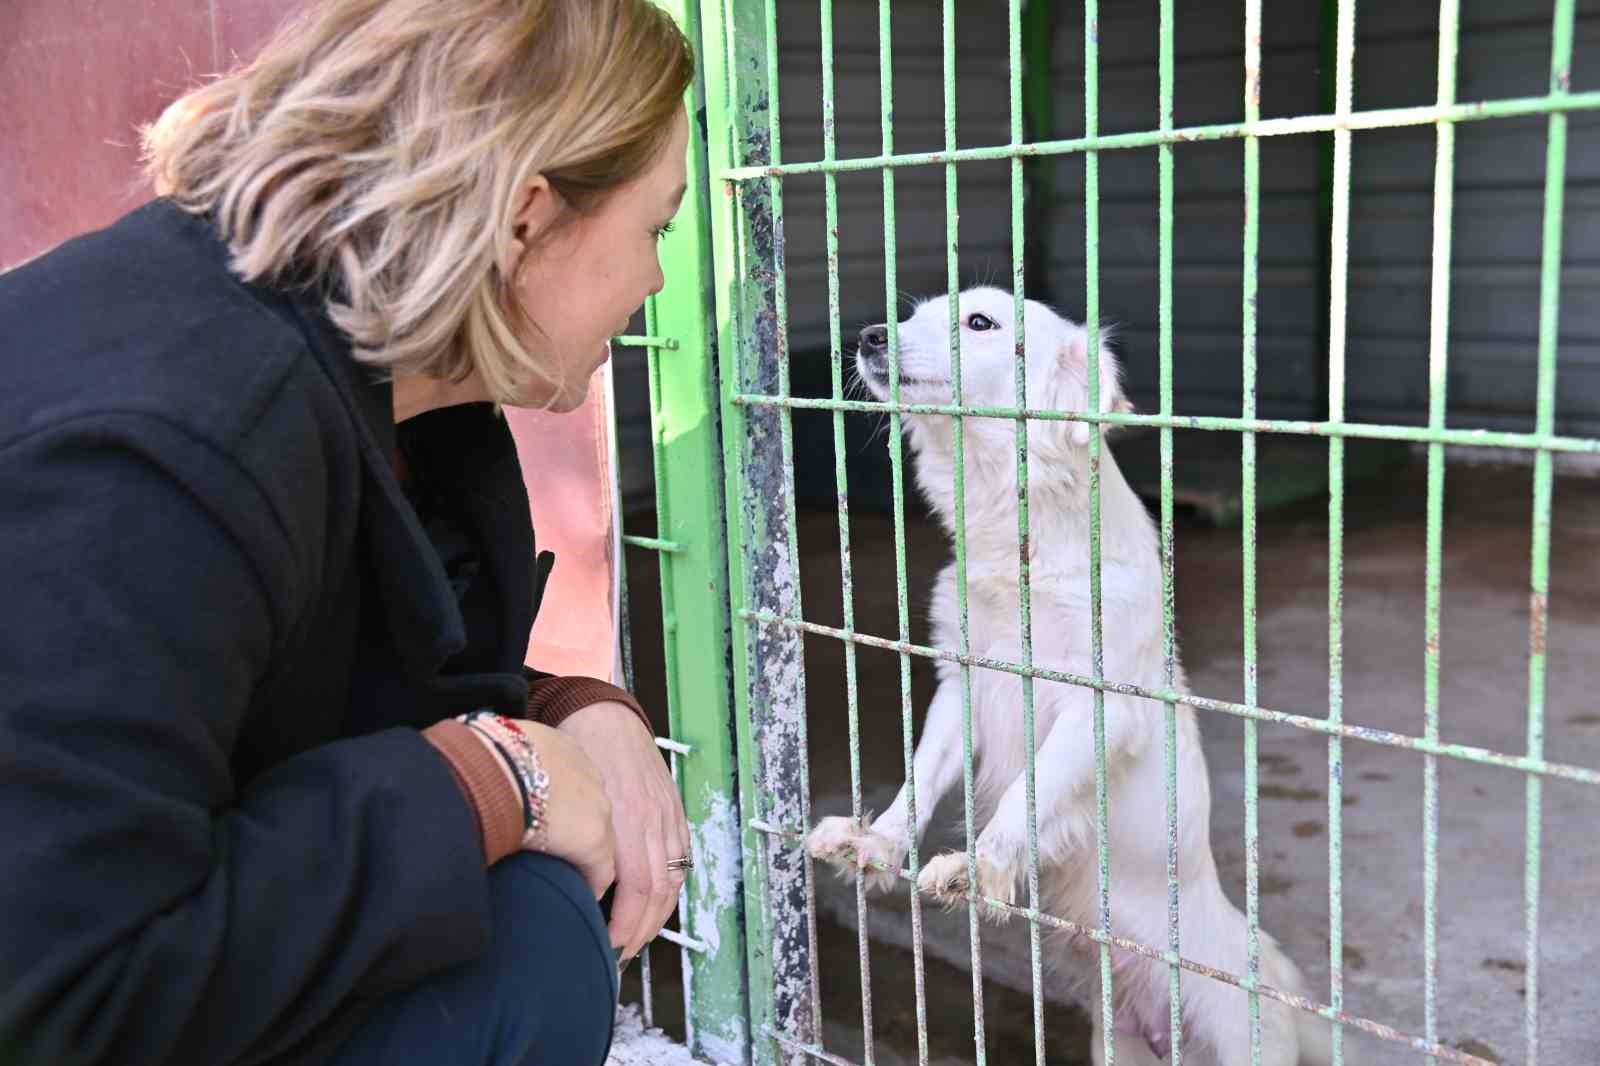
(722, 445)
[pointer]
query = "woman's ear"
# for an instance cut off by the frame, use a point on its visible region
(538, 208)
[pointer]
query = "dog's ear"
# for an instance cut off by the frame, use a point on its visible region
(1112, 398)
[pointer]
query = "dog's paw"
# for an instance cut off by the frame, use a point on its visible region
(846, 845)
(945, 880)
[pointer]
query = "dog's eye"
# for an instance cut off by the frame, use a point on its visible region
(981, 323)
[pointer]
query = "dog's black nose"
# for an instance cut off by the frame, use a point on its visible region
(875, 340)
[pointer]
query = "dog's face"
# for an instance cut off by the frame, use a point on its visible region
(1056, 350)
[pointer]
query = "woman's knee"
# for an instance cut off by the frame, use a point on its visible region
(551, 938)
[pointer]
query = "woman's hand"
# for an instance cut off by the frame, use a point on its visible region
(647, 817)
(578, 813)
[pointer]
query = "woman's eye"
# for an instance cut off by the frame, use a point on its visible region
(662, 231)
(981, 323)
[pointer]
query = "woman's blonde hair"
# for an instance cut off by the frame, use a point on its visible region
(378, 150)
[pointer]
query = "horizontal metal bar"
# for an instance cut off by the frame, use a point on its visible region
(1385, 118)
(634, 340)
(673, 746)
(688, 943)
(1310, 1006)
(1463, 752)
(806, 1049)
(652, 543)
(1358, 430)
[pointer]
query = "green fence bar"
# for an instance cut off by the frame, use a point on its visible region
(690, 538)
(1024, 539)
(1476, 438)
(1169, 629)
(1091, 324)
(777, 960)
(1366, 734)
(952, 216)
(891, 293)
(767, 661)
(1252, 252)
(1438, 366)
(780, 299)
(1338, 331)
(1543, 471)
(1384, 118)
(842, 490)
(1133, 947)
(647, 340)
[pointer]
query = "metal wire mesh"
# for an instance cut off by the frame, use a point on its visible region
(754, 329)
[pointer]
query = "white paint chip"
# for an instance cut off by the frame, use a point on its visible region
(635, 1045)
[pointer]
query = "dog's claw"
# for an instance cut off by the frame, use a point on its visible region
(945, 880)
(848, 846)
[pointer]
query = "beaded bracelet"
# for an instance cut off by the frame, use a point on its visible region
(527, 769)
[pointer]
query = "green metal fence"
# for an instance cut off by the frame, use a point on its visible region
(750, 922)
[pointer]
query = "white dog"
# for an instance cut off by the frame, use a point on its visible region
(1213, 931)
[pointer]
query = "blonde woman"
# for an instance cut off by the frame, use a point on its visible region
(277, 787)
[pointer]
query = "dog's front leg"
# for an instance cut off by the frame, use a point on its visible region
(1063, 785)
(936, 768)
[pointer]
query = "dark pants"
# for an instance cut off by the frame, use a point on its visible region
(544, 994)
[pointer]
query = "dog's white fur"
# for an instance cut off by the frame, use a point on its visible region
(1213, 931)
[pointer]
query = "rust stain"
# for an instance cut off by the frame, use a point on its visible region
(1539, 620)
(1505, 965)
(1480, 1049)
(1307, 829)
(1283, 792)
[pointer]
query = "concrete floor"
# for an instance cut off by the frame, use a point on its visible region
(1482, 809)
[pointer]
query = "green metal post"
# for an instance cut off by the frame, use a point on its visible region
(1543, 477)
(959, 491)
(830, 184)
(1338, 289)
(1438, 378)
(1169, 629)
(695, 611)
(1252, 252)
(767, 659)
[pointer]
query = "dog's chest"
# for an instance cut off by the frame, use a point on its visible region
(1058, 612)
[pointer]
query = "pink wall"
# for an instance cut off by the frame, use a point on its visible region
(79, 77)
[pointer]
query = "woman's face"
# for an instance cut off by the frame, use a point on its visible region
(581, 286)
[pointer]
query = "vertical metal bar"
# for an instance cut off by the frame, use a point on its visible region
(625, 639)
(660, 419)
(786, 447)
(694, 581)
(830, 185)
(669, 625)
(1024, 538)
(767, 660)
(1543, 476)
(1438, 378)
(891, 291)
(1169, 642)
(1091, 316)
(1338, 290)
(952, 218)
(1252, 251)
